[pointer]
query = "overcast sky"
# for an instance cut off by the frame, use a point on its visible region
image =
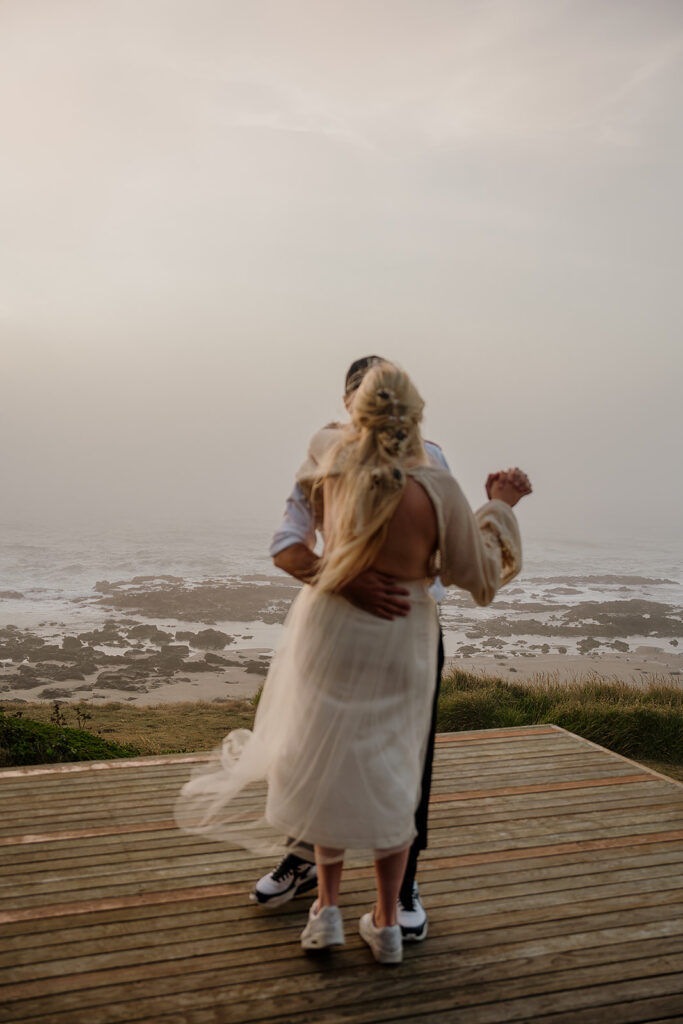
(208, 208)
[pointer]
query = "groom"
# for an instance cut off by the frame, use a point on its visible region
(292, 549)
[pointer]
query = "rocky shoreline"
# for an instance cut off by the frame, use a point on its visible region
(122, 658)
(164, 638)
(251, 597)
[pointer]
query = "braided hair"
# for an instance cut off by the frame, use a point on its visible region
(368, 466)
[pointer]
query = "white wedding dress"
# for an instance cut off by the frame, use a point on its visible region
(342, 725)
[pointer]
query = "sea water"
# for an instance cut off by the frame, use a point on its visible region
(46, 572)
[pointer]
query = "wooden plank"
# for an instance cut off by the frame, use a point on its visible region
(637, 1011)
(247, 928)
(153, 814)
(525, 942)
(480, 909)
(495, 735)
(433, 858)
(604, 798)
(539, 787)
(459, 842)
(178, 944)
(135, 900)
(301, 979)
(507, 1006)
(525, 774)
(78, 767)
(90, 863)
(185, 846)
(26, 906)
(253, 934)
(103, 882)
(434, 884)
(241, 965)
(557, 849)
(544, 862)
(380, 994)
(556, 792)
(282, 954)
(210, 932)
(86, 833)
(489, 820)
(151, 786)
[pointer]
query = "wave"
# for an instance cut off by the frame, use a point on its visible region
(607, 578)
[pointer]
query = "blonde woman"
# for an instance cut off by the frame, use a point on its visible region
(343, 722)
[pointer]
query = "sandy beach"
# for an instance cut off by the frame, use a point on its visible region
(645, 665)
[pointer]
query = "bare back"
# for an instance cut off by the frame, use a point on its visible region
(412, 536)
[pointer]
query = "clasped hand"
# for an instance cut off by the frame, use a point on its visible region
(508, 485)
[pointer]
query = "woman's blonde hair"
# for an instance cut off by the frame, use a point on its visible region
(368, 463)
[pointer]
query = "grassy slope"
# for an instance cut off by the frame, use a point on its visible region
(643, 724)
(161, 729)
(29, 742)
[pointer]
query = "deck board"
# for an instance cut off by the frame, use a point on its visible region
(554, 883)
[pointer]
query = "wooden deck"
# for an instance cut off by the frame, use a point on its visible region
(554, 883)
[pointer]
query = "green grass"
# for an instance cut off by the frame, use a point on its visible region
(641, 723)
(26, 742)
(645, 724)
(119, 730)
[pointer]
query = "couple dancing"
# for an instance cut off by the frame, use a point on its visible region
(345, 726)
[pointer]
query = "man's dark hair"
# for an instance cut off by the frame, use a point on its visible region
(357, 371)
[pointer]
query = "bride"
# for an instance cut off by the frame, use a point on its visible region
(342, 724)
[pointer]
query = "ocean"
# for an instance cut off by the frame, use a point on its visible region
(571, 597)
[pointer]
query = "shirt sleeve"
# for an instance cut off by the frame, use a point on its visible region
(297, 526)
(436, 455)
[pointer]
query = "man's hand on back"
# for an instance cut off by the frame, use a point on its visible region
(377, 593)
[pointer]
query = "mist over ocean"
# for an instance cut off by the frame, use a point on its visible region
(61, 562)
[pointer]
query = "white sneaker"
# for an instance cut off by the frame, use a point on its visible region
(325, 928)
(292, 875)
(386, 943)
(412, 917)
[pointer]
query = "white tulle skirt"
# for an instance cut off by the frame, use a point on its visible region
(337, 750)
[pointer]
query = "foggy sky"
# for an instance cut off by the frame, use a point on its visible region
(208, 208)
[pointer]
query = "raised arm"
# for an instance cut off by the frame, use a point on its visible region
(478, 551)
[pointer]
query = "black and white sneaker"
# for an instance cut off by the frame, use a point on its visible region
(291, 876)
(411, 916)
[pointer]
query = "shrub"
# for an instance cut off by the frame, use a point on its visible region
(26, 742)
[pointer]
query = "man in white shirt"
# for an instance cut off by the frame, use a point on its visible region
(292, 550)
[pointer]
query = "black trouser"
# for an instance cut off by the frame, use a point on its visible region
(422, 812)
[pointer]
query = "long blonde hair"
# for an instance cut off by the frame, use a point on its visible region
(368, 464)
